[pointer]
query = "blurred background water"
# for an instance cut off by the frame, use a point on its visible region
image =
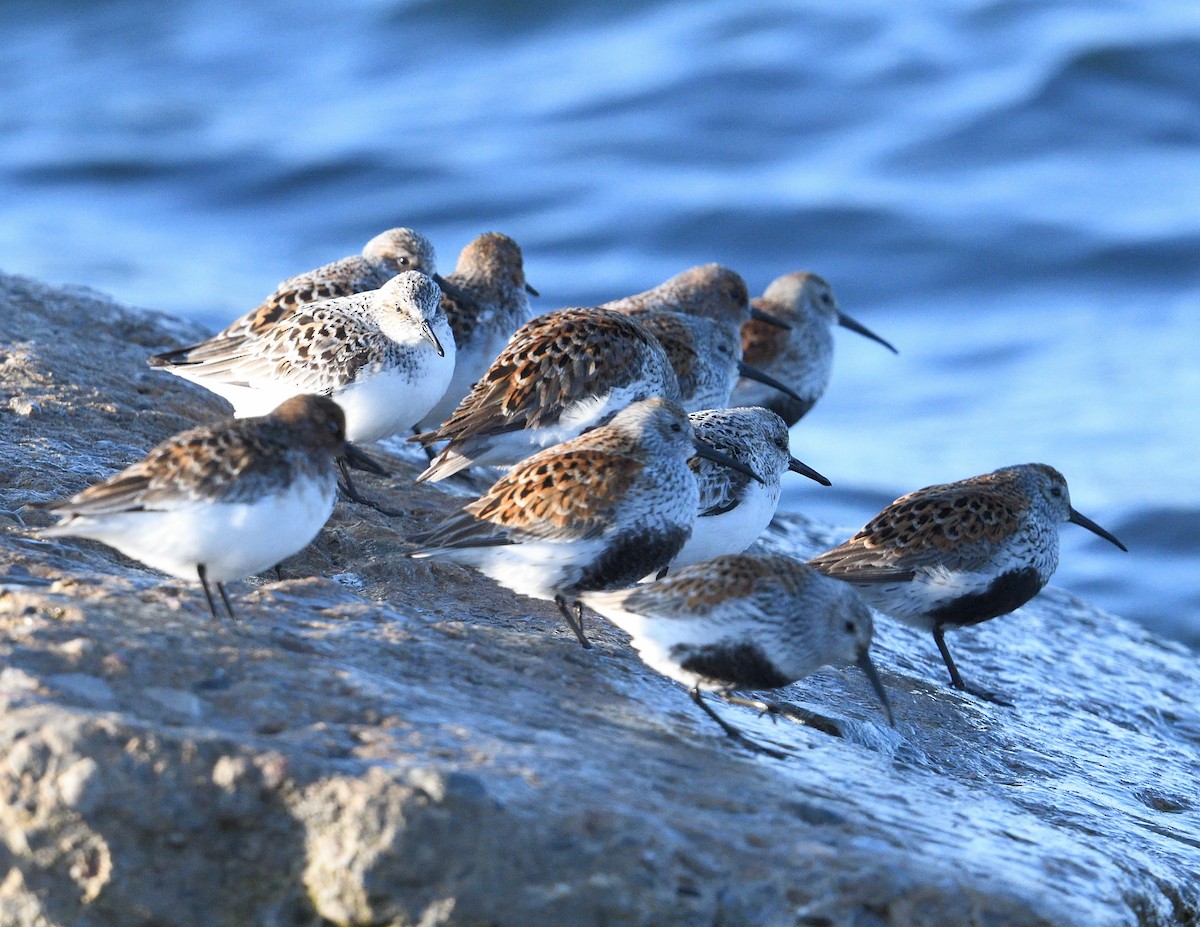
(1009, 191)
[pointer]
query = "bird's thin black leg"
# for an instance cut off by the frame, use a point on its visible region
(225, 599)
(732, 731)
(202, 572)
(574, 619)
(939, 638)
(956, 680)
(429, 451)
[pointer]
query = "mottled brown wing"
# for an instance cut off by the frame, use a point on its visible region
(672, 332)
(340, 278)
(549, 363)
(955, 525)
(198, 463)
(762, 342)
(559, 495)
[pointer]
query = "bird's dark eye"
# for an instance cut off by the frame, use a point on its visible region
(849, 627)
(826, 299)
(333, 426)
(677, 427)
(403, 262)
(1056, 492)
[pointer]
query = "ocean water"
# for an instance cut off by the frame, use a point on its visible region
(1008, 191)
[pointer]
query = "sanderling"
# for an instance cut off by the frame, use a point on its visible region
(387, 254)
(219, 502)
(800, 356)
(561, 373)
(599, 511)
(697, 316)
(734, 509)
(386, 356)
(490, 272)
(960, 553)
(743, 622)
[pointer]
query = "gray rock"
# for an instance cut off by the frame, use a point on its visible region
(419, 747)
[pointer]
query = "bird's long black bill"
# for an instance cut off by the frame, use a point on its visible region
(531, 291)
(799, 466)
(455, 292)
(759, 316)
(708, 452)
(1084, 522)
(361, 461)
(868, 668)
(432, 338)
(846, 322)
(753, 373)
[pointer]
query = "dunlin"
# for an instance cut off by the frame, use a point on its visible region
(697, 317)
(491, 274)
(800, 356)
(596, 512)
(219, 502)
(743, 622)
(735, 509)
(386, 356)
(960, 553)
(561, 373)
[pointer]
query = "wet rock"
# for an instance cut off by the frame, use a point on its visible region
(384, 742)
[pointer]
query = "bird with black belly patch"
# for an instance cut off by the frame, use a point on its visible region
(743, 622)
(734, 509)
(596, 512)
(956, 554)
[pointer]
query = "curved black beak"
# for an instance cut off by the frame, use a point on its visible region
(361, 461)
(531, 291)
(428, 335)
(799, 466)
(455, 292)
(846, 322)
(708, 452)
(759, 316)
(753, 373)
(868, 668)
(1084, 522)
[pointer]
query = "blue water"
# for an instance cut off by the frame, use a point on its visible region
(1007, 190)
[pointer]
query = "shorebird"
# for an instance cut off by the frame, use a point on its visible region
(960, 553)
(219, 502)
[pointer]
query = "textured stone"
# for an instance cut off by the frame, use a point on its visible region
(381, 742)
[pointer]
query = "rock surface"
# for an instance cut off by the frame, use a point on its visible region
(380, 742)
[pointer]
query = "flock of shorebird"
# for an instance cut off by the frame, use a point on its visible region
(633, 486)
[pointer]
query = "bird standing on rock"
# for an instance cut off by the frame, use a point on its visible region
(743, 622)
(735, 509)
(386, 356)
(219, 502)
(560, 374)
(960, 553)
(596, 512)
(697, 317)
(492, 303)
